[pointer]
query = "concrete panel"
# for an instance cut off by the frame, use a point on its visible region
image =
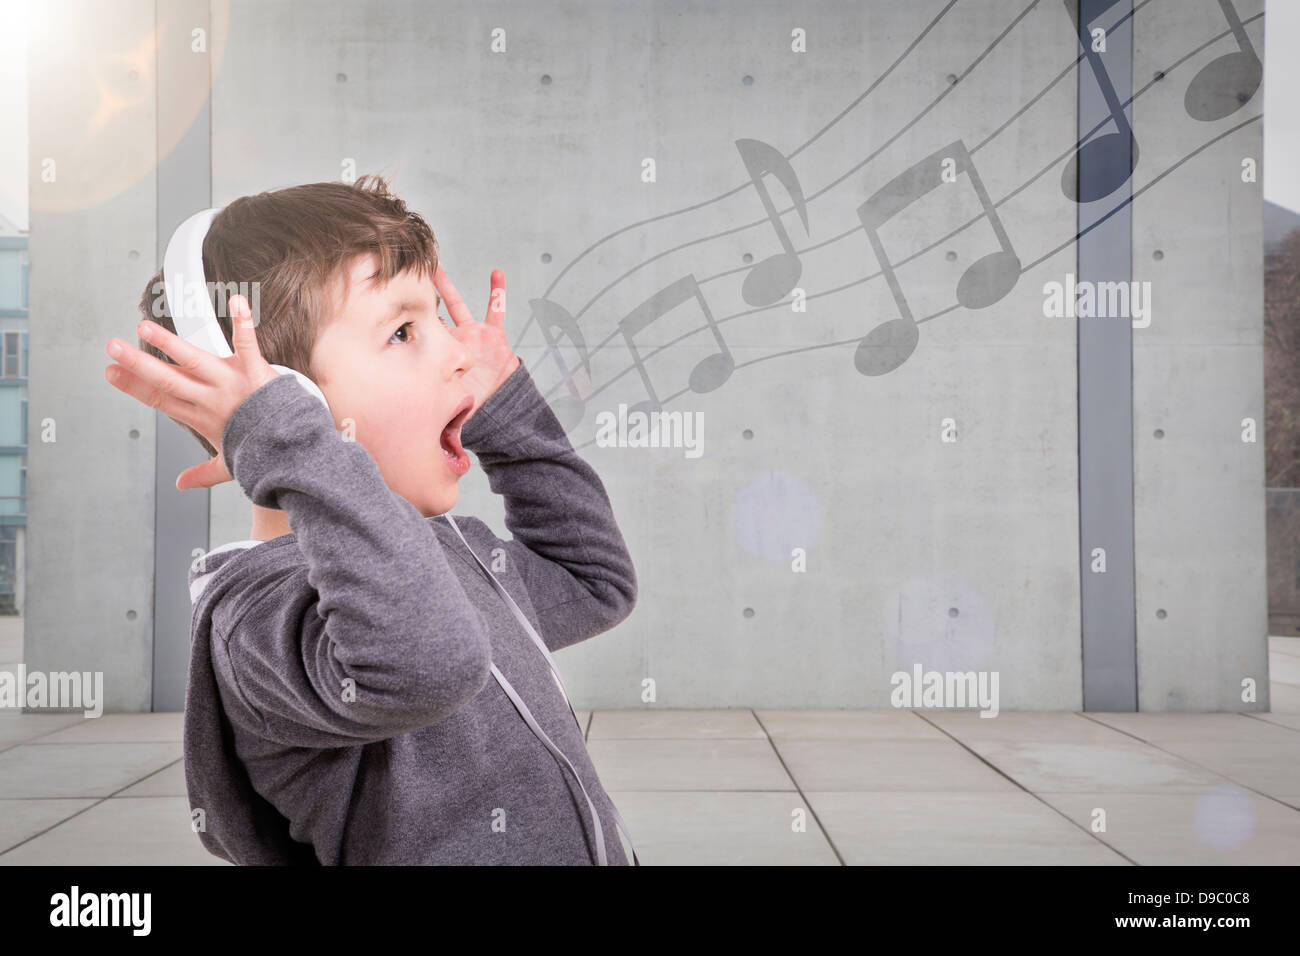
(184, 187)
(1198, 370)
(90, 581)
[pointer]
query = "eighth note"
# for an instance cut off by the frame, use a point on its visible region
(1113, 156)
(984, 282)
(773, 278)
(568, 409)
(1227, 83)
(710, 372)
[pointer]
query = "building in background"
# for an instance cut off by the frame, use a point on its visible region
(1282, 424)
(13, 414)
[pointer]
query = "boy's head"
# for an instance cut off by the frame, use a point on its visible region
(333, 263)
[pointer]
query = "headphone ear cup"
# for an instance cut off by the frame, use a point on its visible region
(306, 383)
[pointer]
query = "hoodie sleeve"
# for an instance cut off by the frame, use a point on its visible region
(567, 546)
(385, 640)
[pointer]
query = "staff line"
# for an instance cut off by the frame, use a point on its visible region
(920, 252)
(748, 184)
(856, 339)
(813, 196)
(1060, 76)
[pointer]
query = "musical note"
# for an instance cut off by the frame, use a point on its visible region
(1226, 84)
(773, 278)
(1110, 158)
(984, 282)
(568, 409)
(710, 372)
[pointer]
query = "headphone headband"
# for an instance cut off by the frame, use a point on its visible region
(186, 287)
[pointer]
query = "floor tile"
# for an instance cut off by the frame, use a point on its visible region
(1265, 766)
(888, 764)
(657, 764)
(676, 724)
(1159, 728)
(1218, 826)
(167, 782)
(1281, 720)
(845, 725)
(1050, 726)
(905, 828)
(710, 828)
(123, 831)
(79, 770)
(17, 727)
(20, 819)
(1131, 767)
(121, 728)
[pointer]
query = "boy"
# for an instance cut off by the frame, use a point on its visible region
(340, 707)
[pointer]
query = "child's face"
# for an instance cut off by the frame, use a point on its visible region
(398, 377)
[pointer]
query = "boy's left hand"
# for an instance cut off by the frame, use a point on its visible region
(494, 362)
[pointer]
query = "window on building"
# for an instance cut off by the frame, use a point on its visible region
(12, 356)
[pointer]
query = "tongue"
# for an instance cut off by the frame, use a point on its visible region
(449, 443)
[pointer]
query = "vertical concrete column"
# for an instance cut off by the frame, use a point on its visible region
(184, 187)
(1103, 188)
(89, 586)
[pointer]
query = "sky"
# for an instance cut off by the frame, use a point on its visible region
(1281, 166)
(13, 112)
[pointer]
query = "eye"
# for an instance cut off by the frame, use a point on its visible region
(399, 330)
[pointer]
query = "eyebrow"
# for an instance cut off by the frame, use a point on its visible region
(406, 305)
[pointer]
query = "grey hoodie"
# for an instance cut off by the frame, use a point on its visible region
(340, 707)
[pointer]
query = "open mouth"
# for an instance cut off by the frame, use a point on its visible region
(450, 439)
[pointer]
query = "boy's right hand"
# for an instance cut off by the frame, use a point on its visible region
(200, 390)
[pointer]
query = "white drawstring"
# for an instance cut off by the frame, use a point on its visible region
(527, 715)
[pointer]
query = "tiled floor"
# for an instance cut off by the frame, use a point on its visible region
(774, 787)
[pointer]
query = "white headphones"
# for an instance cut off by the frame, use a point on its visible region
(186, 288)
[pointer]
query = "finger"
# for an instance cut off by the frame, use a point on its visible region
(200, 363)
(455, 304)
(149, 378)
(203, 475)
(244, 335)
(496, 314)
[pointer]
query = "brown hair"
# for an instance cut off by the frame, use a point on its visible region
(295, 243)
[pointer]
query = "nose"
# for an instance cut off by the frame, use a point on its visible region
(459, 360)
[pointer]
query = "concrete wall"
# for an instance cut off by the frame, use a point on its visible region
(957, 554)
(1197, 375)
(90, 466)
